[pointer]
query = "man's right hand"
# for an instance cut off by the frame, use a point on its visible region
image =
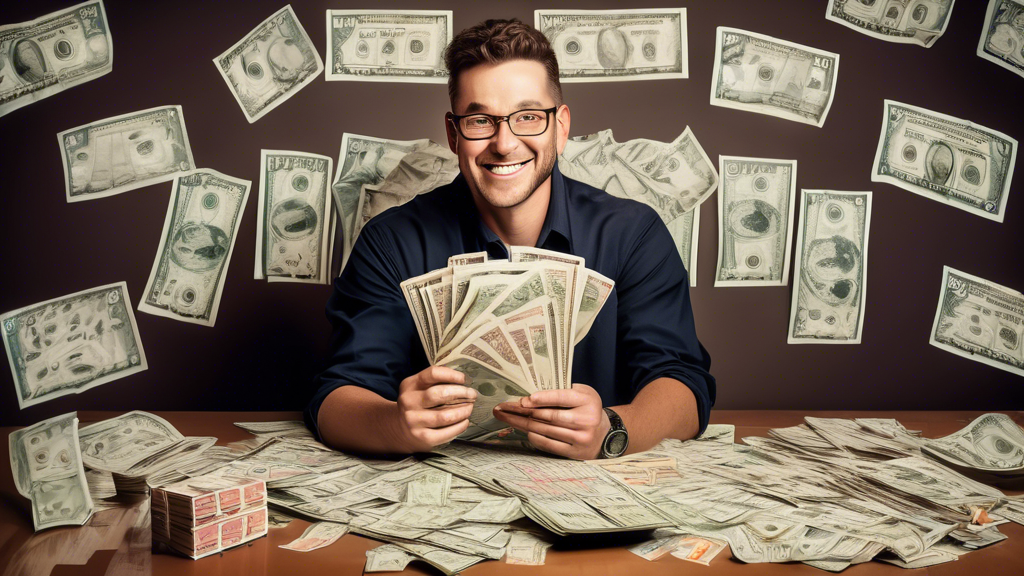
(434, 407)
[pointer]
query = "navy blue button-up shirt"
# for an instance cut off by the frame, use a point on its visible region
(644, 331)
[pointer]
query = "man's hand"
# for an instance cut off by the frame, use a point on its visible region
(570, 423)
(434, 407)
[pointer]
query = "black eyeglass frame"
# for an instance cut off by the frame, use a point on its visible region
(456, 120)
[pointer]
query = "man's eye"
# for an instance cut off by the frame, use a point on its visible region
(528, 118)
(479, 122)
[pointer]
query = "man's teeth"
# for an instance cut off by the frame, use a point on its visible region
(505, 169)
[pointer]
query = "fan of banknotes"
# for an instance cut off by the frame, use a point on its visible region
(510, 325)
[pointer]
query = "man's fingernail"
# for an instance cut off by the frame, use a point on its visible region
(469, 381)
(497, 409)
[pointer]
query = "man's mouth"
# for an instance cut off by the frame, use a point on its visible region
(506, 168)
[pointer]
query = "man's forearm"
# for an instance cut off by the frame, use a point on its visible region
(356, 419)
(665, 408)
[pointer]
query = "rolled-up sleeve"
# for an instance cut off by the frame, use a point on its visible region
(656, 329)
(374, 344)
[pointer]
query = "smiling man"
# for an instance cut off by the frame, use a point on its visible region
(640, 374)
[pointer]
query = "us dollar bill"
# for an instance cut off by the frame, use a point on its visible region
(830, 279)
(270, 64)
(53, 53)
(991, 443)
(611, 45)
(388, 45)
(755, 221)
(47, 464)
(919, 22)
(980, 320)
(406, 168)
(673, 178)
(944, 158)
(199, 233)
(758, 73)
(71, 344)
(123, 153)
(1002, 36)
(294, 235)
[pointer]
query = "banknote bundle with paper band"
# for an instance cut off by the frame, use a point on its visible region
(510, 325)
(208, 514)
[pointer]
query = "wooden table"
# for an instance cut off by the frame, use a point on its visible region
(118, 541)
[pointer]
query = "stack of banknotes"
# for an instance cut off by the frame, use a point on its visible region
(830, 492)
(207, 514)
(509, 325)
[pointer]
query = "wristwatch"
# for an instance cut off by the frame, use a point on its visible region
(617, 439)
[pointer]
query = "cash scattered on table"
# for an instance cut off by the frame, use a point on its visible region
(980, 320)
(511, 326)
(946, 159)
(71, 344)
(755, 221)
(758, 73)
(294, 222)
(831, 272)
(270, 64)
(673, 178)
(47, 465)
(374, 174)
(53, 53)
(611, 45)
(1002, 36)
(190, 266)
(204, 515)
(388, 45)
(125, 152)
(829, 492)
(920, 23)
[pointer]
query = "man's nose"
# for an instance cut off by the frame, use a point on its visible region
(504, 141)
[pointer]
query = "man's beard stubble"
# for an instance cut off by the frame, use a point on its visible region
(543, 173)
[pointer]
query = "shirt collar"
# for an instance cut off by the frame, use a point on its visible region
(556, 234)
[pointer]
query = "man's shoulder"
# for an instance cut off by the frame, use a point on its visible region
(598, 206)
(438, 207)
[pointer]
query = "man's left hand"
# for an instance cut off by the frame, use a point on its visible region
(570, 423)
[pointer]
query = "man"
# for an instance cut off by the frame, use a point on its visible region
(641, 357)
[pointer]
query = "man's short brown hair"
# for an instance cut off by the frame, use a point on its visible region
(497, 41)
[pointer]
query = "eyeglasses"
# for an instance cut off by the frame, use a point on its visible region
(484, 126)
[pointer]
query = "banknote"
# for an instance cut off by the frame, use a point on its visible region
(316, 536)
(699, 550)
(992, 442)
(1002, 37)
(123, 153)
(758, 73)
(401, 168)
(944, 158)
(293, 223)
(71, 344)
(52, 53)
(611, 45)
(673, 178)
(116, 444)
(388, 45)
(919, 22)
(47, 464)
(980, 320)
(685, 232)
(755, 221)
(195, 247)
(270, 64)
(831, 268)
(387, 558)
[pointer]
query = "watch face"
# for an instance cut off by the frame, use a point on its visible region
(615, 444)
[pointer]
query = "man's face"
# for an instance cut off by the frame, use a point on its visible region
(524, 162)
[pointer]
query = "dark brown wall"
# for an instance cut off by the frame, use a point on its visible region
(271, 338)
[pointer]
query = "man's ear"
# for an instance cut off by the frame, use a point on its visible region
(452, 132)
(562, 117)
